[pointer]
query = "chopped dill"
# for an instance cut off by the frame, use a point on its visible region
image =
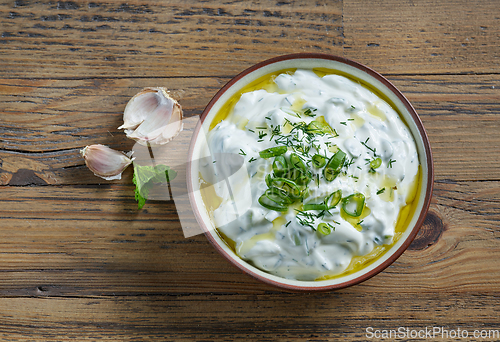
(374, 150)
(305, 218)
(310, 112)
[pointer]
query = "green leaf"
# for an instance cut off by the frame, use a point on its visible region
(145, 177)
(140, 200)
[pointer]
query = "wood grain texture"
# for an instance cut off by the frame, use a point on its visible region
(423, 36)
(237, 317)
(68, 39)
(78, 261)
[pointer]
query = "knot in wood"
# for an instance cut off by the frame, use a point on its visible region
(429, 233)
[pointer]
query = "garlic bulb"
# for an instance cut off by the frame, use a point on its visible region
(105, 162)
(152, 117)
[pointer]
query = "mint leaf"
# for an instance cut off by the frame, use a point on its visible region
(140, 200)
(145, 177)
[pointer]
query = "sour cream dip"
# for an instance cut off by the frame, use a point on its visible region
(323, 168)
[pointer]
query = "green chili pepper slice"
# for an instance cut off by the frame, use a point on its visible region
(334, 199)
(271, 205)
(311, 206)
(297, 162)
(298, 176)
(289, 186)
(303, 179)
(334, 165)
(375, 163)
(324, 229)
(278, 195)
(279, 166)
(269, 180)
(273, 151)
(353, 204)
(305, 193)
(318, 160)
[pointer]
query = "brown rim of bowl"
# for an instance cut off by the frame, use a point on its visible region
(418, 123)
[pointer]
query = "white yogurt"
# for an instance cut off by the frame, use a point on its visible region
(365, 127)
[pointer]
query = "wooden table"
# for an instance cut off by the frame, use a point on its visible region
(78, 260)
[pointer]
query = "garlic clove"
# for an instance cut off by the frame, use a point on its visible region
(105, 162)
(152, 116)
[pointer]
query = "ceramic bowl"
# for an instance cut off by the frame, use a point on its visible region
(368, 77)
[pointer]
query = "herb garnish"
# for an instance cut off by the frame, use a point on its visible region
(310, 112)
(306, 218)
(145, 177)
(368, 147)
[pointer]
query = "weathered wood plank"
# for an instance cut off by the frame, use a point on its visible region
(51, 115)
(423, 36)
(343, 315)
(317, 317)
(96, 233)
(159, 38)
(460, 114)
(88, 39)
(44, 123)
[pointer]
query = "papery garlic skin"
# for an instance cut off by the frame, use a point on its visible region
(105, 162)
(152, 117)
